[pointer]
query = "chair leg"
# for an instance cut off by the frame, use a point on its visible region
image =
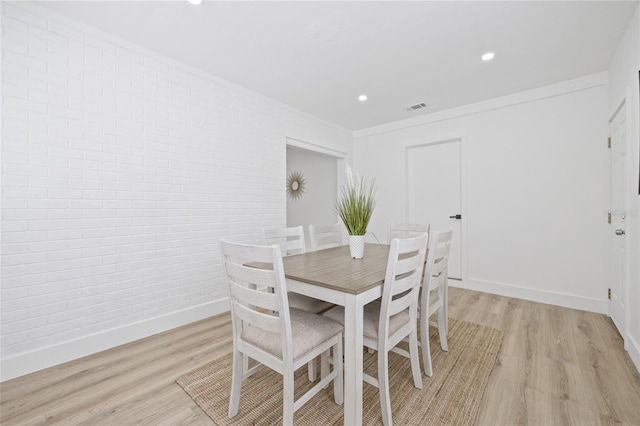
(383, 385)
(415, 360)
(311, 368)
(287, 398)
(245, 363)
(338, 382)
(236, 383)
(324, 363)
(442, 328)
(445, 304)
(426, 349)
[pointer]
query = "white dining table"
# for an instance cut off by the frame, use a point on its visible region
(332, 275)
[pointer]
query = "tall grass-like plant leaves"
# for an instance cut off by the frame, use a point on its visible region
(357, 203)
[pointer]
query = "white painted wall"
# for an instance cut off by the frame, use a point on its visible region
(122, 171)
(316, 206)
(623, 82)
(536, 206)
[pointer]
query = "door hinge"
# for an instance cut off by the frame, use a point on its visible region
(609, 293)
(609, 142)
(609, 217)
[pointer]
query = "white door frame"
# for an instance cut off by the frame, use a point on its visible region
(624, 103)
(464, 184)
(297, 143)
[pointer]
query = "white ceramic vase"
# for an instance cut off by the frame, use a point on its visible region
(356, 246)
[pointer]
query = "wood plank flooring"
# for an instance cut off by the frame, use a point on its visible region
(557, 366)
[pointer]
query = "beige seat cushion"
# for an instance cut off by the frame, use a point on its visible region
(371, 319)
(308, 331)
(306, 303)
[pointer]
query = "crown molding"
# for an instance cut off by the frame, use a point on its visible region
(583, 83)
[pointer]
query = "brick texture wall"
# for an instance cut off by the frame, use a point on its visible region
(121, 171)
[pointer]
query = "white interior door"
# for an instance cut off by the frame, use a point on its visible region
(617, 228)
(434, 192)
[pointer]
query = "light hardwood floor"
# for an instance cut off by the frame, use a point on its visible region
(557, 366)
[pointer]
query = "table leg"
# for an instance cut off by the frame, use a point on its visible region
(353, 312)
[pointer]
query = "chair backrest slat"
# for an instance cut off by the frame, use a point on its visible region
(437, 281)
(290, 247)
(325, 236)
(400, 304)
(439, 265)
(236, 253)
(251, 275)
(255, 318)
(258, 298)
(406, 230)
(290, 240)
(441, 249)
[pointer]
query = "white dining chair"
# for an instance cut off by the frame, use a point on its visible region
(325, 236)
(291, 241)
(266, 330)
(433, 298)
(406, 230)
(395, 317)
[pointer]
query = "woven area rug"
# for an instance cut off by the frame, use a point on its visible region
(451, 397)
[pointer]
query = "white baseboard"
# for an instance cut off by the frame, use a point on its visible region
(30, 362)
(551, 298)
(534, 295)
(633, 348)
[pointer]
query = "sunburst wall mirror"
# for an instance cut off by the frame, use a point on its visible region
(296, 184)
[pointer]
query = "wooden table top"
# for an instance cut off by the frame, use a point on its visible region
(335, 269)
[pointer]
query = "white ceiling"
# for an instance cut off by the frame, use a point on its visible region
(319, 56)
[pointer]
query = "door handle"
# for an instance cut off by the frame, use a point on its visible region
(620, 232)
(457, 216)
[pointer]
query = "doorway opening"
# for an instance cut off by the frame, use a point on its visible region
(318, 170)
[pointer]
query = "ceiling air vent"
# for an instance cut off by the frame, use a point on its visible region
(416, 106)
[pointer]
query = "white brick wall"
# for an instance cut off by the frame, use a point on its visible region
(121, 170)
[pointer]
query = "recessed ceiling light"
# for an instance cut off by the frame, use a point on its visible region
(362, 98)
(195, 1)
(488, 56)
